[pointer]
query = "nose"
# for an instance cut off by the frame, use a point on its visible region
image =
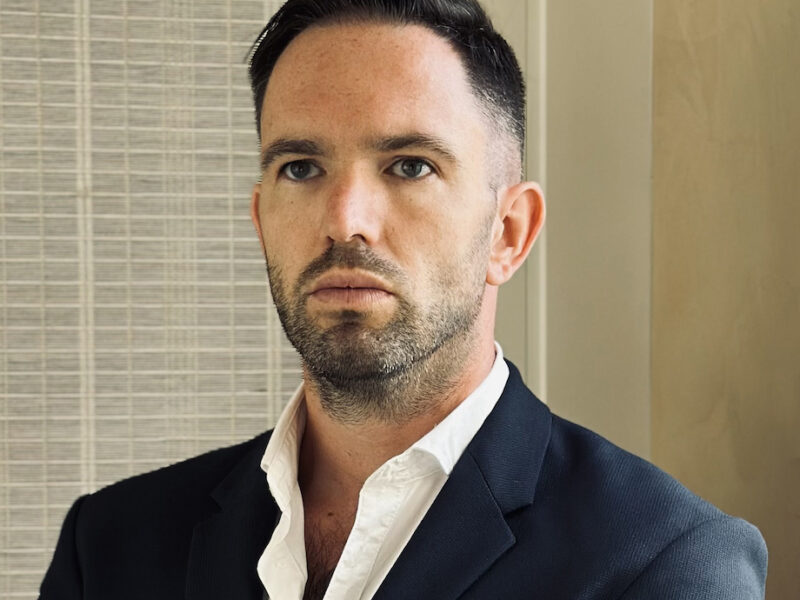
(353, 209)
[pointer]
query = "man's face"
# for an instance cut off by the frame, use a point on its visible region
(375, 207)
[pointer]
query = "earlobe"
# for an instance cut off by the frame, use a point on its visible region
(254, 213)
(521, 214)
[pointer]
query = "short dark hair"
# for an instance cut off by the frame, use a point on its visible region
(490, 64)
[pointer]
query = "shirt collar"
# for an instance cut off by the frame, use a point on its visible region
(281, 456)
(446, 442)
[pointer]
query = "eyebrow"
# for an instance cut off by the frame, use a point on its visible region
(306, 147)
(285, 146)
(416, 140)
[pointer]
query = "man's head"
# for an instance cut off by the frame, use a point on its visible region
(386, 218)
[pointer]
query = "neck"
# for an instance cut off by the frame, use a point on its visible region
(336, 456)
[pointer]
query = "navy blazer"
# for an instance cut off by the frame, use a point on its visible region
(536, 508)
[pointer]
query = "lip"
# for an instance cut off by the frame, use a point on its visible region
(353, 280)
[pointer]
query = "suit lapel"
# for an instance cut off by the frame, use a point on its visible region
(226, 546)
(465, 530)
(457, 541)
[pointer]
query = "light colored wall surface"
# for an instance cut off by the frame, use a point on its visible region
(726, 295)
(576, 319)
(598, 148)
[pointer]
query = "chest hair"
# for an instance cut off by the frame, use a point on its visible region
(325, 537)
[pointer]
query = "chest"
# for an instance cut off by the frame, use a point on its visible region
(325, 533)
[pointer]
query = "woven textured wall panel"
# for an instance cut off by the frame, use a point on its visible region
(136, 326)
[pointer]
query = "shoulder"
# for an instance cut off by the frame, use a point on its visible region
(594, 478)
(722, 557)
(182, 489)
(136, 534)
(586, 462)
(614, 508)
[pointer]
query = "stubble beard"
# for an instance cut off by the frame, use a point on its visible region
(401, 370)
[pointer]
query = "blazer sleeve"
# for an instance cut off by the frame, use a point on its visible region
(63, 580)
(724, 558)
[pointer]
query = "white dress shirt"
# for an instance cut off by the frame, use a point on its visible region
(391, 504)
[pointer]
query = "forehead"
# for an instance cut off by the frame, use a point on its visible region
(369, 79)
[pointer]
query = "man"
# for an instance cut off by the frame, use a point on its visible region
(412, 462)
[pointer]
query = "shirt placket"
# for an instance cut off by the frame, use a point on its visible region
(379, 502)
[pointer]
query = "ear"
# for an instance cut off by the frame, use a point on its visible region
(254, 213)
(520, 216)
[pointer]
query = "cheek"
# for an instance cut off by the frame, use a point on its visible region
(285, 229)
(282, 256)
(429, 253)
(464, 253)
(437, 235)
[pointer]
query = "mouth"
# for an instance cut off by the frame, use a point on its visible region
(350, 288)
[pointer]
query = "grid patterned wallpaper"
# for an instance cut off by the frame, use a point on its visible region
(136, 327)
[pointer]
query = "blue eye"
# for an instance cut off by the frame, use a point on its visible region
(300, 170)
(411, 168)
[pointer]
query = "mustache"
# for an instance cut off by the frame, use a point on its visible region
(352, 257)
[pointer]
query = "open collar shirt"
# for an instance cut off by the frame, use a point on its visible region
(391, 504)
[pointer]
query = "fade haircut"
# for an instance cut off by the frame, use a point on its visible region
(492, 69)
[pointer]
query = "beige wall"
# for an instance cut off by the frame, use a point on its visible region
(576, 319)
(598, 151)
(726, 293)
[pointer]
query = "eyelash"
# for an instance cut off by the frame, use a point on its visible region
(432, 169)
(283, 170)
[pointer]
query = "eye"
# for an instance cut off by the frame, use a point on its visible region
(300, 170)
(411, 168)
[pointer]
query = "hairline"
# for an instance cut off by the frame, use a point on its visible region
(501, 127)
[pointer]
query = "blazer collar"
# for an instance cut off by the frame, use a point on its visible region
(465, 530)
(226, 546)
